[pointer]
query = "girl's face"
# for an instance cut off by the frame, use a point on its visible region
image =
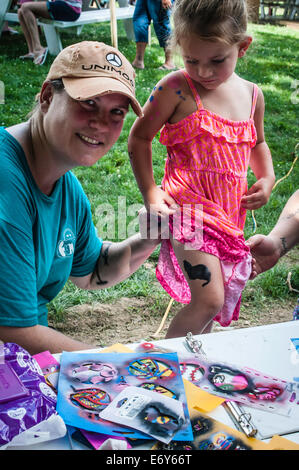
(210, 63)
(79, 133)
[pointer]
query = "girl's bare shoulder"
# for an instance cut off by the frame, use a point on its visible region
(175, 90)
(172, 85)
(248, 86)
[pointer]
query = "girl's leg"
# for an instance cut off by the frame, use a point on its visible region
(27, 14)
(207, 297)
(208, 328)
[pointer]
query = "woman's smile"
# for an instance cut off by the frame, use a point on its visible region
(89, 140)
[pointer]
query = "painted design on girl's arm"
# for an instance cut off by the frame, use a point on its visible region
(180, 95)
(172, 83)
(175, 84)
(154, 102)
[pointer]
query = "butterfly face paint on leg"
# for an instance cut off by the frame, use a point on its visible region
(200, 271)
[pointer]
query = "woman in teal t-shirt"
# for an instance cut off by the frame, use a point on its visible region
(46, 229)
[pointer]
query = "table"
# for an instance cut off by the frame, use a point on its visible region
(265, 348)
(289, 7)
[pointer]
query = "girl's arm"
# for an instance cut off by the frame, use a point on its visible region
(157, 111)
(260, 163)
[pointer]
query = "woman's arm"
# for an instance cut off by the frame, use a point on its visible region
(267, 250)
(118, 260)
(38, 338)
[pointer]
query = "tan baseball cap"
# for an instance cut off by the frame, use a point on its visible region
(91, 68)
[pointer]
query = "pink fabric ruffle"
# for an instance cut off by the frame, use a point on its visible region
(204, 121)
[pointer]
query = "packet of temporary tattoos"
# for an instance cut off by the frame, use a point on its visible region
(151, 413)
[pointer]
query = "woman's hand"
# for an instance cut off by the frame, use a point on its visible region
(265, 252)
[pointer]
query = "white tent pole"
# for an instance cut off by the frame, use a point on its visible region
(113, 23)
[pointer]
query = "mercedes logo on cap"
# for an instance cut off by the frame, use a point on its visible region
(114, 59)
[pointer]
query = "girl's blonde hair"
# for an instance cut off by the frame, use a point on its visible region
(213, 20)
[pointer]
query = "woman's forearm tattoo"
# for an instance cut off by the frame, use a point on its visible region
(104, 255)
(284, 246)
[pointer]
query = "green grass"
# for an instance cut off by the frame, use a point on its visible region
(271, 62)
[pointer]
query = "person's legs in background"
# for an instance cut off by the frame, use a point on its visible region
(8, 30)
(145, 11)
(160, 13)
(141, 22)
(27, 14)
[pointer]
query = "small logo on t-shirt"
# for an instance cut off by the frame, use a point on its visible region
(67, 245)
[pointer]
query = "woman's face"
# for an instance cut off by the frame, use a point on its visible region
(79, 133)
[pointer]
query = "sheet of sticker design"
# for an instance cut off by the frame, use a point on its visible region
(242, 384)
(88, 383)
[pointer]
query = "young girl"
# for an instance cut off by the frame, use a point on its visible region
(213, 129)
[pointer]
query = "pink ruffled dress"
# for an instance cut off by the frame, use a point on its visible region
(206, 174)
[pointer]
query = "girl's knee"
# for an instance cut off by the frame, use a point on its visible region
(24, 10)
(209, 306)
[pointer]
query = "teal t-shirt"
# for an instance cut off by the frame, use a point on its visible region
(43, 239)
